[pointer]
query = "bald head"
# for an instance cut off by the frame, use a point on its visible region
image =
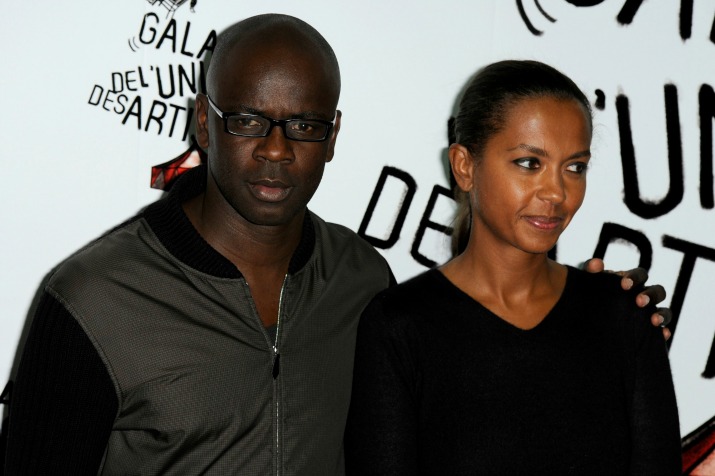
(280, 36)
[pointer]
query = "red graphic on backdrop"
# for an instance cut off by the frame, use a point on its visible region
(699, 450)
(164, 175)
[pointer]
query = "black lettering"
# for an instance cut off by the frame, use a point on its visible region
(632, 198)
(114, 82)
(628, 11)
(706, 98)
(184, 77)
(709, 371)
(141, 78)
(169, 34)
(135, 110)
(121, 102)
(410, 189)
(107, 99)
(183, 43)
(584, 3)
(154, 117)
(209, 44)
(691, 252)
(161, 84)
(202, 77)
(151, 30)
(129, 81)
(99, 90)
(612, 232)
(425, 223)
(189, 123)
(686, 18)
(552, 252)
(176, 115)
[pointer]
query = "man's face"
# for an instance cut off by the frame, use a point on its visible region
(268, 180)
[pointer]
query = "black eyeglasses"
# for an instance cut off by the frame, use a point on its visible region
(253, 125)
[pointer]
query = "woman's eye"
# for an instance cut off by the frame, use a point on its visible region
(578, 167)
(528, 163)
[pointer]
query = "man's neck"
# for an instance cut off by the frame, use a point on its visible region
(248, 246)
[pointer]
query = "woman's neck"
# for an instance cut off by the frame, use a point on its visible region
(519, 287)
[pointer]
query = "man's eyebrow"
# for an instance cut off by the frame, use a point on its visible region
(541, 152)
(244, 109)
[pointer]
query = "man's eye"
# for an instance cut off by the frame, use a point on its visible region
(528, 163)
(246, 122)
(302, 127)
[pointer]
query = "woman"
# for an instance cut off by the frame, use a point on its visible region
(490, 364)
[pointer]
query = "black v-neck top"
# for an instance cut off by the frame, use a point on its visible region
(444, 386)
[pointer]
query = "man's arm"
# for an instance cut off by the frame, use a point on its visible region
(650, 294)
(63, 402)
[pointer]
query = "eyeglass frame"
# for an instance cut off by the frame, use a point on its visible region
(273, 122)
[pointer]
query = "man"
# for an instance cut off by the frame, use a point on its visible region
(214, 332)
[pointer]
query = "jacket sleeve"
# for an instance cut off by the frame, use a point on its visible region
(381, 432)
(63, 403)
(654, 424)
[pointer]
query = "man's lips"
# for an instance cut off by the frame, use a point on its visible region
(543, 222)
(268, 190)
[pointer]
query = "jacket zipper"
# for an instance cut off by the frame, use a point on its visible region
(276, 372)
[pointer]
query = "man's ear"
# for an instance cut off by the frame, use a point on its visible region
(202, 127)
(462, 166)
(333, 137)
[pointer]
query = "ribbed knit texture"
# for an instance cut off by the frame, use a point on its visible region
(82, 404)
(442, 386)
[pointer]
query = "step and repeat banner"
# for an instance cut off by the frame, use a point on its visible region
(96, 93)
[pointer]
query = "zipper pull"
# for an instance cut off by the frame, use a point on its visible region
(276, 366)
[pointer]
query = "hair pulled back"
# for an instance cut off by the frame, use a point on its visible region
(483, 109)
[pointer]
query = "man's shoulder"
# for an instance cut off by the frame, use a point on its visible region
(347, 251)
(113, 249)
(341, 236)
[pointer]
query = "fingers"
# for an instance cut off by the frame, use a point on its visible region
(635, 276)
(651, 294)
(661, 317)
(594, 265)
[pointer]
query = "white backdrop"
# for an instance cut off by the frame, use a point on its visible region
(78, 145)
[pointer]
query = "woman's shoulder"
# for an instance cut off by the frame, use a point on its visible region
(598, 286)
(601, 295)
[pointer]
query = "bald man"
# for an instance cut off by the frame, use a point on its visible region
(214, 332)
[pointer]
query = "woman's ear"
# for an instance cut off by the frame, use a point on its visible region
(462, 166)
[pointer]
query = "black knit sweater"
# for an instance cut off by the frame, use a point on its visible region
(442, 386)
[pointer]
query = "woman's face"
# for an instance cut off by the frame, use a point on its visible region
(531, 179)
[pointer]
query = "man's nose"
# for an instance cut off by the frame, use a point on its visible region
(275, 147)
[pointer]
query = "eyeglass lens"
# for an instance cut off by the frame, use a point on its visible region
(258, 126)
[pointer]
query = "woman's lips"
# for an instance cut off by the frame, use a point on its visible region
(544, 222)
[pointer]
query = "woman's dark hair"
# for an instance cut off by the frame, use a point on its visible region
(485, 103)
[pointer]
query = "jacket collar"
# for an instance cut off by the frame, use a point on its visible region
(168, 221)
